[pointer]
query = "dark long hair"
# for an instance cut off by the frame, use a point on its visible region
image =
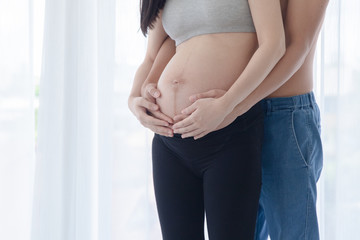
(149, 10)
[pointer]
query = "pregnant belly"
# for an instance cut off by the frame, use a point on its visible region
(191, 72)
(175, 93)
(178, 82)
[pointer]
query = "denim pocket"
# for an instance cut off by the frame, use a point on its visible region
(317, 115)
(300, 123)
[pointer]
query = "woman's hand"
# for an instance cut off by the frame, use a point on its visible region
(201, 117)
(147, 111)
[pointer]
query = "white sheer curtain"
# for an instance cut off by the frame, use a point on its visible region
(338, 89)
(72, 194)
(134, 210)
(16, 120)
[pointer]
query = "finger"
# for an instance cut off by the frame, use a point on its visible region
(187, 129)
(200, 135)
(162, 116)
(184, 123)
(208, 94)
(152, 90)
(155, 92)
(180, 117)
(148, 105)
(193, 98)
(150, 98)
(146, 119)
(189, 109)
(164, 131)
(192, 133)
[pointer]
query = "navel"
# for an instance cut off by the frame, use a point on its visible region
(177, 81)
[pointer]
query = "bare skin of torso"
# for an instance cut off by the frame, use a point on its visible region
(205, 62)
(215, 61)
(302, 81)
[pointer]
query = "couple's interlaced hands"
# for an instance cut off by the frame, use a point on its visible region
(203, 116)
(146, 110)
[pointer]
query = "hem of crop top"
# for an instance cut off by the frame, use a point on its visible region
(212, 31)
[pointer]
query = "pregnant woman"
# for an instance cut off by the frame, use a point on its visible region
(230, 45)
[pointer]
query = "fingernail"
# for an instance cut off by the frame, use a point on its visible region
(156, 94)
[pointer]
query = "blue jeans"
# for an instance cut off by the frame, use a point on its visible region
(291, 165)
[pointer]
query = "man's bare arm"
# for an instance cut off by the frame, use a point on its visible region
(302, 25)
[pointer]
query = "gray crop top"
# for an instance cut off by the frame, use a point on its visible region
(183, 19)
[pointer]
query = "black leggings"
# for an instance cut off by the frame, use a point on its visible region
(219, 173)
